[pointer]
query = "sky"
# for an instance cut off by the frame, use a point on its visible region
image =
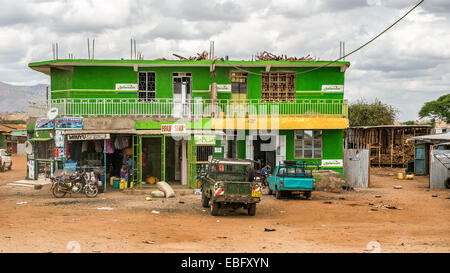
(405, 67)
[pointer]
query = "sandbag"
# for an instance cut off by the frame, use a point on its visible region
(166, 188)
(158, 194)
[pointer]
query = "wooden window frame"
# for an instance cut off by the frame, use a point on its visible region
(314, 145)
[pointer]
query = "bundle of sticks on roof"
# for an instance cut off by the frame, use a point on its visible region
(200, 57)
(267, 56)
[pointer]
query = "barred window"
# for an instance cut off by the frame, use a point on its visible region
(147, 86)
(308, 144)
(203, 152)
(45, 149)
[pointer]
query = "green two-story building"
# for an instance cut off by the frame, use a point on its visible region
(170, 116)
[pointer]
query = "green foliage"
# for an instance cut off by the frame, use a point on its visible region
(409, 122)
(437, 109)
(363, 113)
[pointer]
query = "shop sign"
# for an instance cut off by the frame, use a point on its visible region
(30, 164)
(59, 153)
(69, 123)
(44, 124)
(205, 139)
(126, 87)
(332, 88)
(87, 137)
(332, 163)
(173, 128)
(224, 88)
(218, 150)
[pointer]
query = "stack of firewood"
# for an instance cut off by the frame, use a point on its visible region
(267, 56)
(200, 57)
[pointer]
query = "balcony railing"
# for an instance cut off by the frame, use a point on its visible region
(198, 108)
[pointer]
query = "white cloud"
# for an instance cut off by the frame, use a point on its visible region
(405, 67)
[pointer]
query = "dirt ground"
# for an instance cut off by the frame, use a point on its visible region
(356, 221)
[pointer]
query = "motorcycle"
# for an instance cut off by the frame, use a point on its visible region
(265, 172)
(80, 181)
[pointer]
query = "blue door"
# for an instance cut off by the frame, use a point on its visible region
(419, 160)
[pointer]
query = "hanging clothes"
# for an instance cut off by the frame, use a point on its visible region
(126, 142)
(84, 146)
(116, 143)
(109, 149)
(98, 146)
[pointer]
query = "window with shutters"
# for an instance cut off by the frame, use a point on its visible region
(147, 86)
(238, 83)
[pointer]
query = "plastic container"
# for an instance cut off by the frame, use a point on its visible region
(116, 184)
(112, 180)
(400, 176)
(123, 184)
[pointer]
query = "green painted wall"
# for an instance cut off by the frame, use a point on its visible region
(100, 81)
(332, 147)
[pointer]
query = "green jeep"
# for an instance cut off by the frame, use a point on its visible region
(229, 183)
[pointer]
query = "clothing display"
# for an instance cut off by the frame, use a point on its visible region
(98, 146)
(109, 149)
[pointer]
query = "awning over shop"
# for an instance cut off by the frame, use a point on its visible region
(100, 131)
(40, 139)
(141, 132)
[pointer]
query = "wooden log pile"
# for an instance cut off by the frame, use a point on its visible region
(267, 56)
(399, 156)
(200, 57)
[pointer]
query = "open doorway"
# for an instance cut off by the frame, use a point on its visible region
(264, 149)
(182, 90)
(176, 161)
(151, 160)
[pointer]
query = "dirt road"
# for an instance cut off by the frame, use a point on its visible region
(329, 222)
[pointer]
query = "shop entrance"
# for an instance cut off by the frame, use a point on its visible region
(176, 161)
(264, 149)
(107, 155)
(151, 160)
(270, 149)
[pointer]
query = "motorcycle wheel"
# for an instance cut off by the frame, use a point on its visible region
(58, 190)
(91, 190)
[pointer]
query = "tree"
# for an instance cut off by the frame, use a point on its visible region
(437, 109)
(363, 113)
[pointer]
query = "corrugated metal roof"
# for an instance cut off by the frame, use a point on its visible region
(431, 138)
(391, 126)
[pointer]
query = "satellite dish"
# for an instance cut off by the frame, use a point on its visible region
(52, 113)
(28, 147)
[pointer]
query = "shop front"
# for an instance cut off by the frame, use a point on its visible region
(41, 161)
(107, 154)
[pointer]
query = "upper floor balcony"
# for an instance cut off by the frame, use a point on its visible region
(199, 108)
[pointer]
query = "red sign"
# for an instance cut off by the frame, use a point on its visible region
(173, 128)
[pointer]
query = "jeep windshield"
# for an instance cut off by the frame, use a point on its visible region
(230, 171)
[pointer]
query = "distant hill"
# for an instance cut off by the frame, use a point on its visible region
(15, 98)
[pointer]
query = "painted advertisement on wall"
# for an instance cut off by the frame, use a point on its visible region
(30, 164)
(44, 124)
(332, 163)
(69, 123)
